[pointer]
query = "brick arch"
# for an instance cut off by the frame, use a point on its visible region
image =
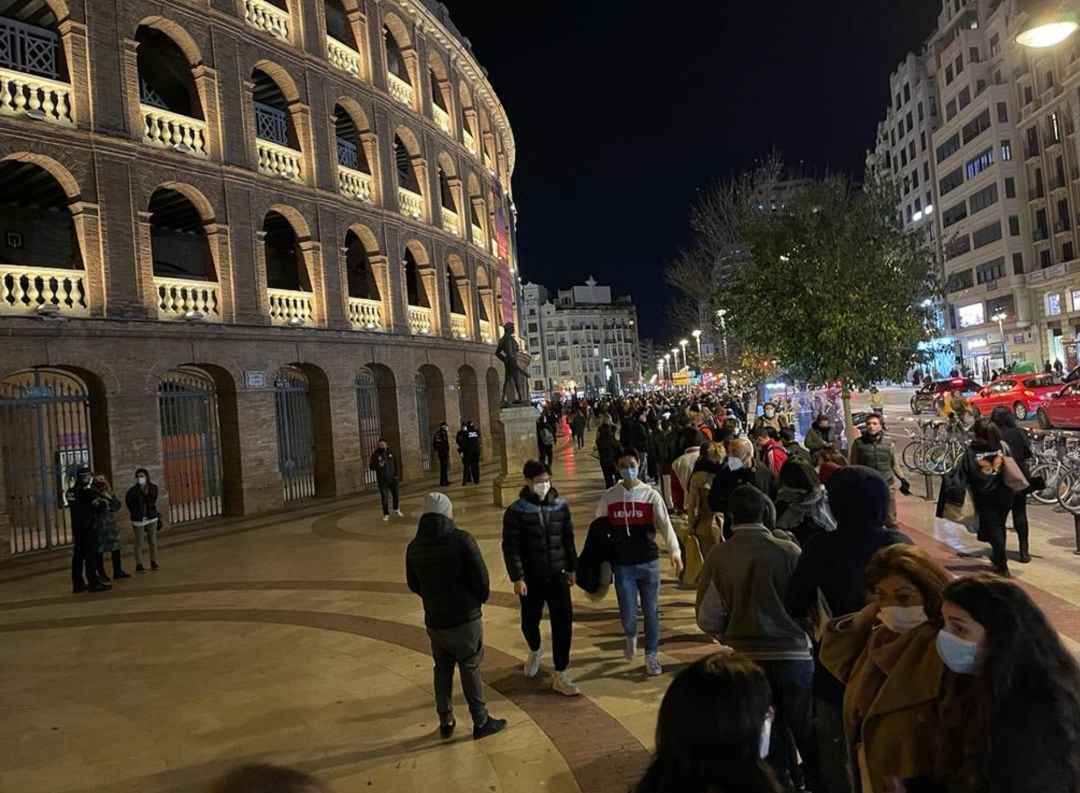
(281, 77)
(410, 139)
(179, 36)
(419, 253)
(367, 238)
(296, 219)
(356, 112)
(191, 193)
(58, 172)
(398, 29)
(446, 163)
(322, 428)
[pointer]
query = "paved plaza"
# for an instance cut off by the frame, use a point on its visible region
(292, 639)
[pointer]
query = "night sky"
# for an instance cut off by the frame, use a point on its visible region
(623, 109)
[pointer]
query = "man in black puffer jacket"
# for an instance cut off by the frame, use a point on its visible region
(541, 559)
(444, 567)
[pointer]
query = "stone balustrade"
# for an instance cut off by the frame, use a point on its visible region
(355, 184)
(399, 89)
(420, 320)
(180, 298)
(441, 117)
(485, 332)
(268, 18)
(26, 289)
(470, 141)
(280, 161)
(289, 307)
(478, 237)
(410, 203)
(174, 131)
(342, 56)
(459, 326)
(451, 223)
(37, 97)
(365, 314)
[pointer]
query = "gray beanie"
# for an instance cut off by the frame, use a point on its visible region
(439, 503)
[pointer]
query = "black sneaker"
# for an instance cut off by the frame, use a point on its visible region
(103, 578)
(140, 569)
(489, 727)
(100, 587)
(446, 730)
(154, 566)
(121, 574)
(78, 588)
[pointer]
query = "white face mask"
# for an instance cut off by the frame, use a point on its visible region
(541, 489)
(141, 480)
(766, 736)
(901, 619)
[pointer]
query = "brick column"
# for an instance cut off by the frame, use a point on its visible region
(380, 270)
(73, 39)
(257, 420)
(370, 143)
(130, 89)
(87, 220)
(217, 238)
(207, 87)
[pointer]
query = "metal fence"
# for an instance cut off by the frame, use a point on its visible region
(190, 445)
(295, 437)
(367, 410)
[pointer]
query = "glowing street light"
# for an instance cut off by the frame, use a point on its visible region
(1000, 318)
(683, 344)
(1049, 22)
(696, 333)
(675, 355)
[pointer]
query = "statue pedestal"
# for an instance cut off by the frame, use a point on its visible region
(515, 442)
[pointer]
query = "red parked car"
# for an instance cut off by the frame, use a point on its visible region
(1063, 410)
(1023, 394)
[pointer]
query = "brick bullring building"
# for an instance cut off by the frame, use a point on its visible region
(239, 241)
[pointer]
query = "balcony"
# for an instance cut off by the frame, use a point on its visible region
(494, 247)
(173, 131)
(268, 18)
(279, 161)
(451, 223)
(1061, 227)
(1058, 183)
(1031, 152)
(1038, 234)
(35, 97)
(420, 321)
(399, 89)
(288, 307)
(470, 141)
(485, 332)
(489, 164)
(478, 237)
(365, 314)
(1036, 194)
(459, 326)
(354, 184)
(410, 203)
(179, 298)
(25, 289)
(342, 56)
(441, 117)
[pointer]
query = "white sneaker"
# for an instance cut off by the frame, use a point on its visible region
(532, 663)
(630, 650)
(399, 513)
(564, 685)
(385, 518)
(652, 664)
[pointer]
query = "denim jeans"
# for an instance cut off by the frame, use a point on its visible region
(792, 684)
(387, 489)
(630, 580)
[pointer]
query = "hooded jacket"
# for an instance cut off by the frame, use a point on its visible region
(444, 567)
(636, 515)
(538, 537)
(142, 503)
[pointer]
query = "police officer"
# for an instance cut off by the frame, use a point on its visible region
(440, 444)
(462, 441)
(80, 499)
(472, 452)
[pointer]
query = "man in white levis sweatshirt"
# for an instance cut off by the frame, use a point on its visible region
(637, 513)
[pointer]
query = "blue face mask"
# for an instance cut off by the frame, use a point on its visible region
(628, 474)
(960, 655)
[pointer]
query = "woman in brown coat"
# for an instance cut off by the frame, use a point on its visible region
(887, 656)
(703, 522)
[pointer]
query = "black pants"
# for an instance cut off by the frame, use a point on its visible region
(992, 512)
(545, 455)
(580, 438)
(1020, 519)
(555, 592)
(385, 489)
(84, 555)
(444, 469)
(472, 467)
(116, 568)
(611, 476)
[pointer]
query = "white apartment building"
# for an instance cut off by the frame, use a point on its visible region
(584, 340)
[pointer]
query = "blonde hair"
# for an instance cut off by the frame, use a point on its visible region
(713, 452)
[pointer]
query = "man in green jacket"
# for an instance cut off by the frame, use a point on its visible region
(875, 450)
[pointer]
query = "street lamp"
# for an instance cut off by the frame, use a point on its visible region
(675, 355)
(1049, 22)
(720, 314)
(682, 344)
(696, 333)
(667, 363)
(1000, 318)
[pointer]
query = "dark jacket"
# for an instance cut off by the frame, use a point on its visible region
(727, 480)
(636, 436)
(874, 452)
(594, 571)
(470, 444)
(384, 464)
(441, 444)
(538, 537)
(606, 445)
(444, 567)
(1019, 446)
(105, 506)
(80, 501)
(142, 505)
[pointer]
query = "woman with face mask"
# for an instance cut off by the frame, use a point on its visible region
(1014, 709)
(886, 655)
(541, 561)
(713, 731)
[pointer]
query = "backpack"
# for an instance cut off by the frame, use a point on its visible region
(546, 438)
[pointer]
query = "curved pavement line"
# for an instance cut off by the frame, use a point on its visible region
(601, 753)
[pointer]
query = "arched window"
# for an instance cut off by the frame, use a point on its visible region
(415, 290)
(361, 278)
(354, 175)
(409, 181)
(178, 238)
(166, 84)
(285, 268)
(440, 95)
(30, 46)
(398, 77)
(278, 141)
(342, 49)
(453, 289)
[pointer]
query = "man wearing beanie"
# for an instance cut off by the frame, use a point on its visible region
(444, 567)
(541, 560)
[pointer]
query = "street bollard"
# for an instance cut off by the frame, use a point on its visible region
(929, 482)
(1076, 531)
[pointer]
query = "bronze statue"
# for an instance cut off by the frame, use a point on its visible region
(509, 353)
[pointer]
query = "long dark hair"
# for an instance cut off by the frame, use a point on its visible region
(1023, 662)
(987, 432)
(1003, 416)
(709, 729)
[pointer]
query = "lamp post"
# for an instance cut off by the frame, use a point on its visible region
(667, 364)
(720, 314)
(696, 333)
(685, 363)
(1000, 318)
(1048, 23)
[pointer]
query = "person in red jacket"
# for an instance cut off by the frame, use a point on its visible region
(770, 450)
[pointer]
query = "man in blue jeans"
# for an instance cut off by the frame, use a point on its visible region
(636, 513)
(740, 602)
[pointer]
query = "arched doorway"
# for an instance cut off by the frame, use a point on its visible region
(191, 445)
(468, 395)
(423, 420)
(46, 433)
(368, 418)
(430, 409)
(295, 433)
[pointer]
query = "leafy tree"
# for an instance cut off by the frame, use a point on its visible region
(833, 285)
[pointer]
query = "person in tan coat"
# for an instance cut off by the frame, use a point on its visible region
(702, 522)
(887, 657)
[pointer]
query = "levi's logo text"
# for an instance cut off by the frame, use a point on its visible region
(633, 514)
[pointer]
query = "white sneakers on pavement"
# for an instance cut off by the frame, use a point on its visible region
(652, 665)
(532, 663)
(630, 650)
(385, 518)
(565, 685)
(399, 513)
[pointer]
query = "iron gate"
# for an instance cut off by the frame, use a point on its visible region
(296, 441)
(44, 438)
(367, 410)
(423, 422)
(190, 445)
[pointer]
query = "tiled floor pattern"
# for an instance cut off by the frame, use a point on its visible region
(292, 639)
